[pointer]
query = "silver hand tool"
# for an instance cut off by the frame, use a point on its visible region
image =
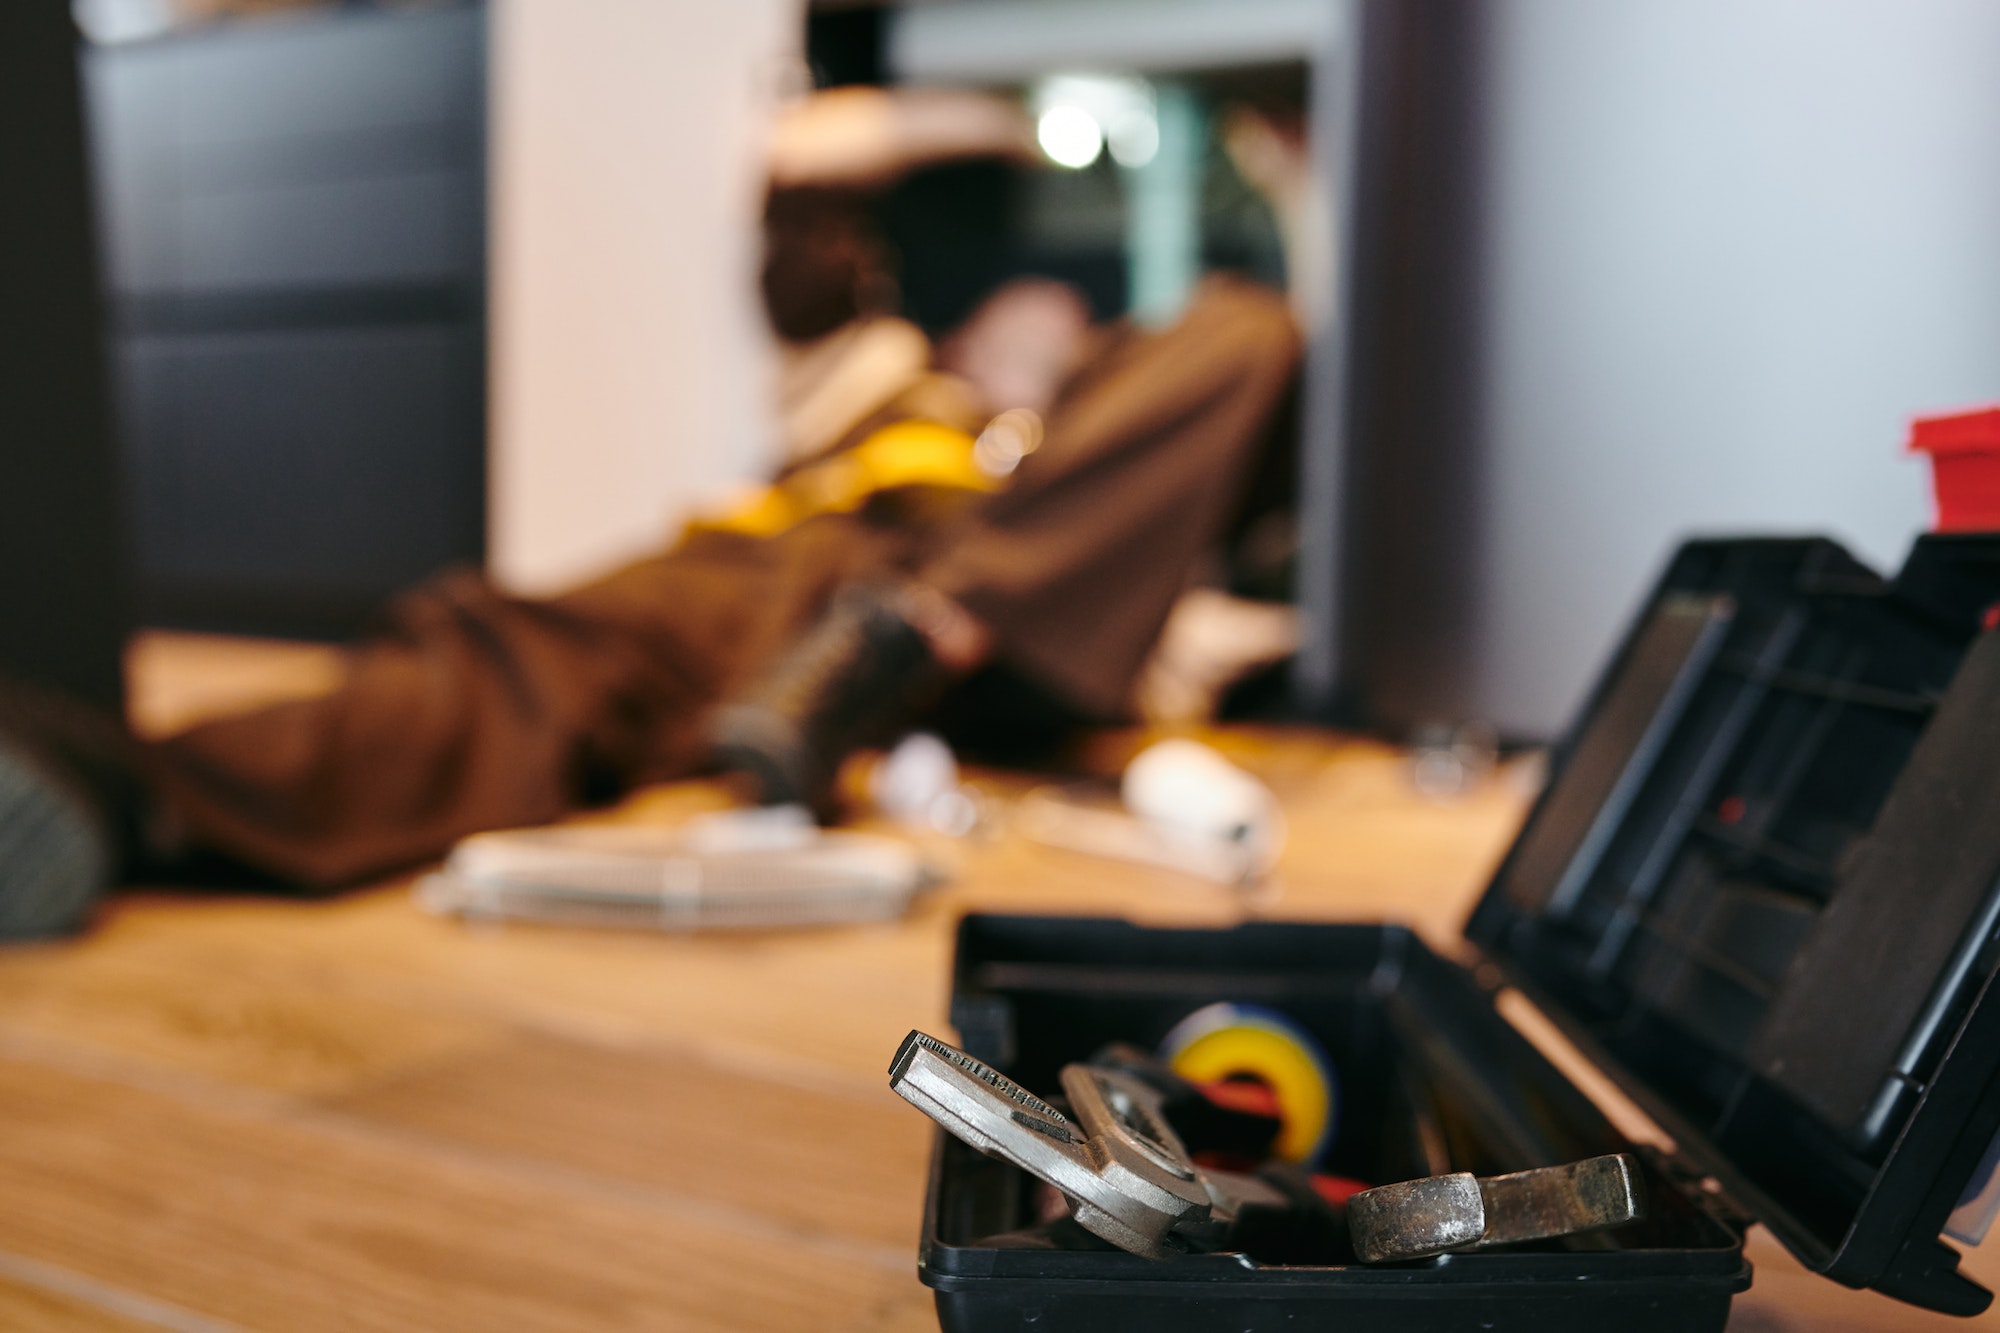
(1120, 1168)
(1124, 1171)
(1419, 1218)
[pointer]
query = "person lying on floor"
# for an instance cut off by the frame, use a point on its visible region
(992, 537)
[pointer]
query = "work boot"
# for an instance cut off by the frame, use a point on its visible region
(70, 803)
(854, 677)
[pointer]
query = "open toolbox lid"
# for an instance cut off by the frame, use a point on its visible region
(1760, 890)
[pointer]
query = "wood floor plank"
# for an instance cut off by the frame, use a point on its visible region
(34, 1294)
(29, 1307)
(837, 999)
(912, 1309)
(816, 1159)
(240, 1015)
(270, 1224)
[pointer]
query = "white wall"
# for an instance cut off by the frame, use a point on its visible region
(1735, 245)
(628, 363)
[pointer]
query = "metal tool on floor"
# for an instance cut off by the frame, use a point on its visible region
(1183, 807)
(738, 869)
(1420, 1218)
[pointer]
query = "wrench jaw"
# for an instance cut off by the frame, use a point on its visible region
(1421, 1218)
(1153, 1242)
(1151, 1190)
(1562, 1200)
(1417, 1219)
(989, 1111)
(1230, 1195)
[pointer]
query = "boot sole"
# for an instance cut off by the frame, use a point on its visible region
(55, 853)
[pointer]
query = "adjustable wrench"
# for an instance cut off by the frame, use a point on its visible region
(1121, 1166)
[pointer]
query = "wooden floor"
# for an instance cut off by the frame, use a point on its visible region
(225, 1112)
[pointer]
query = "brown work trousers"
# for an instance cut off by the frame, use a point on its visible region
(472, 709)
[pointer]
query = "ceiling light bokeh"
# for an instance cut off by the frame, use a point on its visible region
(1069, 135)
(1078, 115)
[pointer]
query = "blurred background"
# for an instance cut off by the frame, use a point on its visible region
(396, 286)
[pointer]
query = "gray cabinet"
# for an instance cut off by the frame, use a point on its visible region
(293, 219)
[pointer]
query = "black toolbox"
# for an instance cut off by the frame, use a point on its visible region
(1759, 891)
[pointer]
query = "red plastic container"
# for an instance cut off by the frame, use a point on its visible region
(1965, 467)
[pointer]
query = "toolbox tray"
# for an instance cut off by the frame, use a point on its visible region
(1758, 891)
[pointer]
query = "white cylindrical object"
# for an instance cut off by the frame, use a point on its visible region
(1189, 790)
